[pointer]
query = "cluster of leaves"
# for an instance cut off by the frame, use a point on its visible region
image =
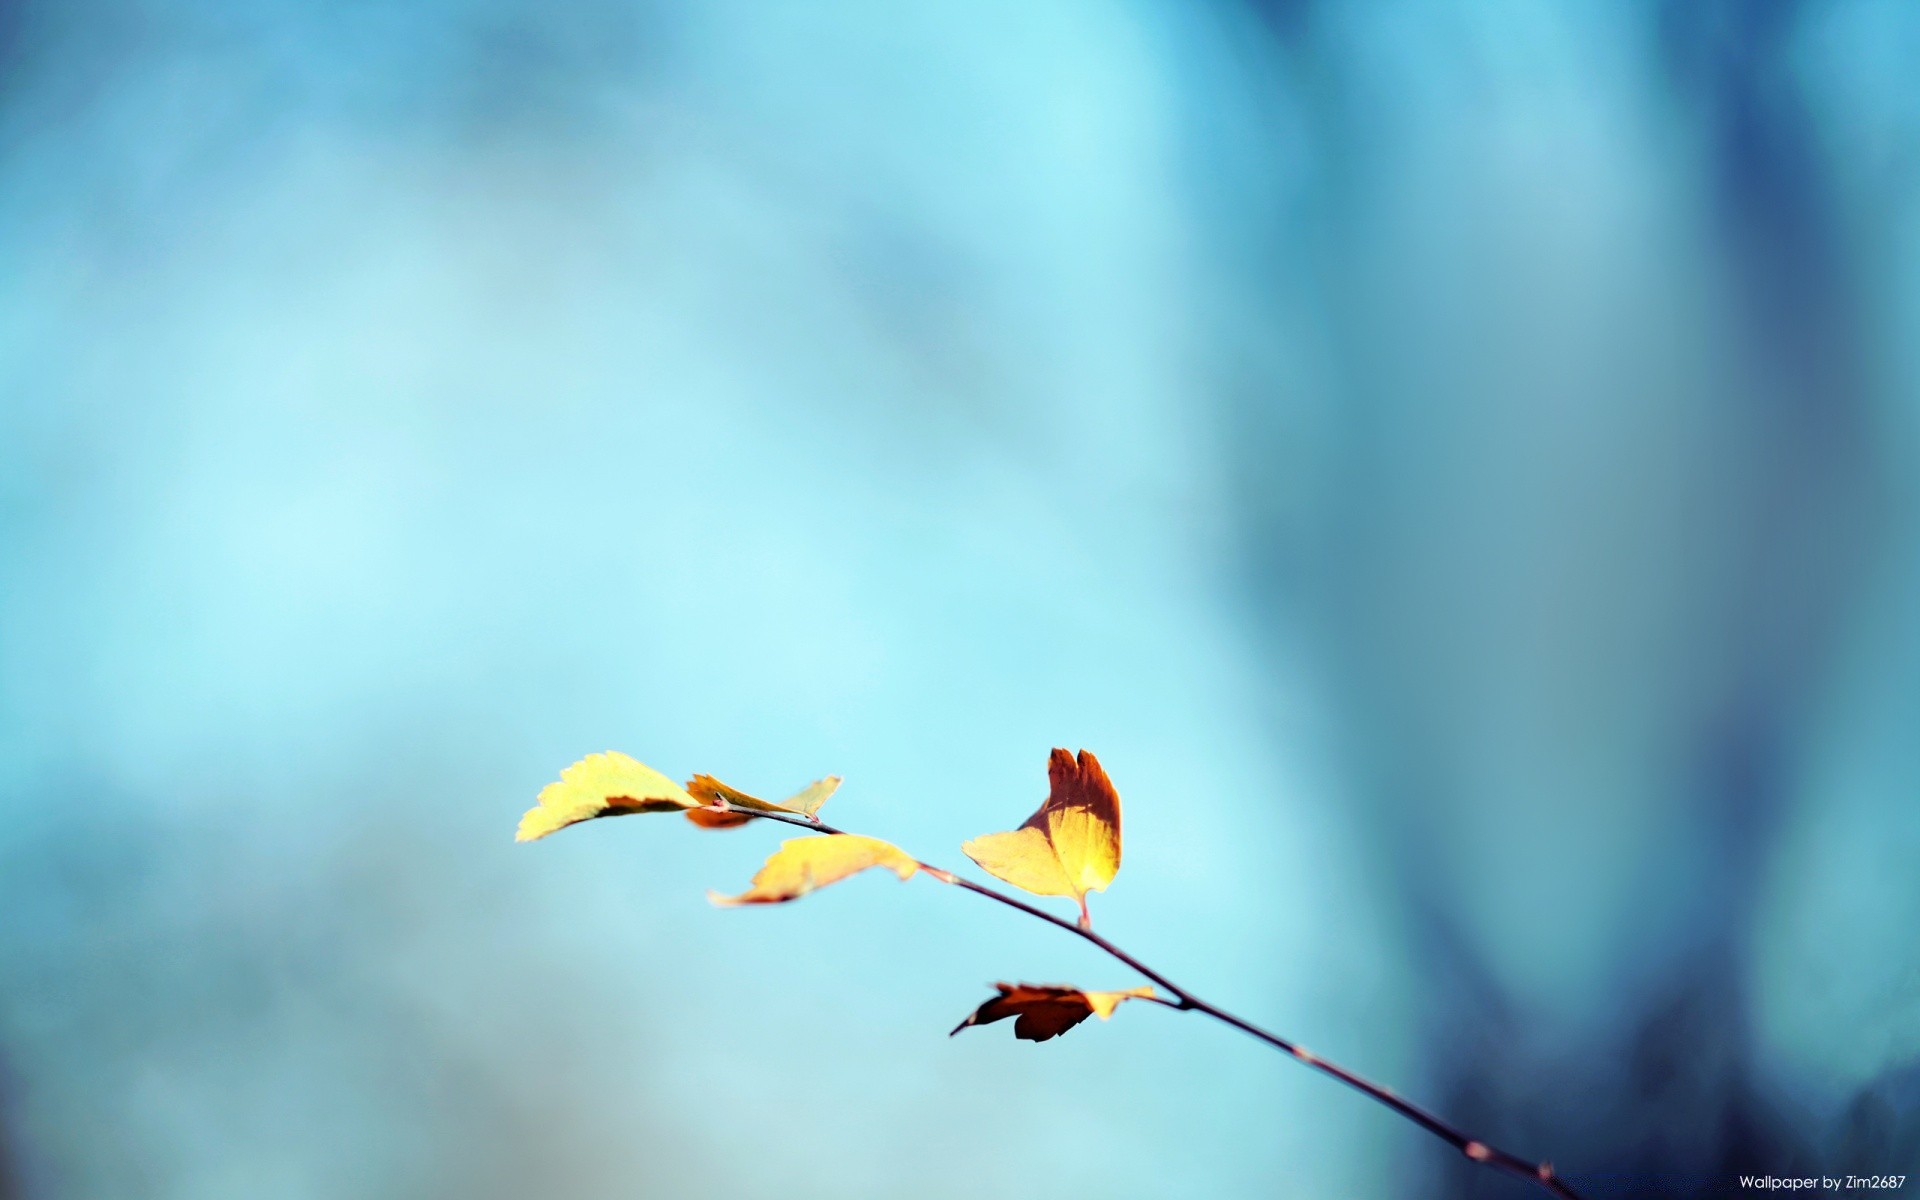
(1070, 846)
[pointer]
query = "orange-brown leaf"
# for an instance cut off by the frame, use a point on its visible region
(710, 791)
(601, 785)
(708, 818)
(1041, 1011)
(1083, 820)
(1071, 844)
(804, 864)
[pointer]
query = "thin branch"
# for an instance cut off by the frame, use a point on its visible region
(1486, 1153)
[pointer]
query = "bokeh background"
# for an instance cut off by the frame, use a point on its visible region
(1456, 464)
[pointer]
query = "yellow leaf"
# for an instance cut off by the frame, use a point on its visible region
(1043, 1011)
(708, 790)
(805, 863)
(601, 785)
(1024, 858)
(809, 798)
(1071, 845)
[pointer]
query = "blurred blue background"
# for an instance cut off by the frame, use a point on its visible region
(1455, 464)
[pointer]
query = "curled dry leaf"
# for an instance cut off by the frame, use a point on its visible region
(1041, 1011)
(708, 791)
(802, 864)
(1071, 845)
(601, 785)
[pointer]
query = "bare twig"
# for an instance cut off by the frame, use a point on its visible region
(1182, 1000)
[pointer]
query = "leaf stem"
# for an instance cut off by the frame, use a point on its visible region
(1485, 1153)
